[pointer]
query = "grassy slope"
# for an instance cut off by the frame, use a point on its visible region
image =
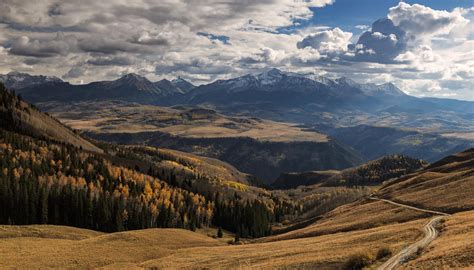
(453, 249)
(33, 122)
(361, 227)
(178, 249)
(23, 247)
(445, 185)
(360, 215)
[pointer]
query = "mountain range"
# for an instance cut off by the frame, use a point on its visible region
(273, 94)
(130, 87)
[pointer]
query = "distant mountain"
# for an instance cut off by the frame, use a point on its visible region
(130, 87)
(17, 80)
(183, 85)
(290, 89)
(273, 94)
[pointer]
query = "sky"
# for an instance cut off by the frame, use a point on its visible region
(424, 47)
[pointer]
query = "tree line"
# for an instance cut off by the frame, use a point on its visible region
(48, 183)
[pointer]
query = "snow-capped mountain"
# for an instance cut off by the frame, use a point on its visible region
(16, 80)
(277, 81)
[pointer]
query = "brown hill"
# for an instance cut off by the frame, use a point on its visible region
(374, 172)
(17, 115)
(446, 185)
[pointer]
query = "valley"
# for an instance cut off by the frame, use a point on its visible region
(174, 178)
(240, 135)
(260, 147)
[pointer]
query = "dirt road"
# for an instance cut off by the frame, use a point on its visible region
(430, 234)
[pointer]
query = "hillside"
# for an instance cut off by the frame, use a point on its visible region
(445, 185)
(15, 114)
(368, 174)
(180, 249)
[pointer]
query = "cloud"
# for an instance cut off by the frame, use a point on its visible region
(331, 40)
(383, 43)
(148, 38)
(362, 27)
(60, 45)
(418, 20)
(96, 40)
(123, 60)
(75, 72)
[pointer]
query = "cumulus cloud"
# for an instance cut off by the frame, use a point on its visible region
(331, 40)
(418, 20)
(382, 43)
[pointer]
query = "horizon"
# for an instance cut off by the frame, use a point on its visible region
(252, 74)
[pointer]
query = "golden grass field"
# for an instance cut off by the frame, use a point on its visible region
(62, 247)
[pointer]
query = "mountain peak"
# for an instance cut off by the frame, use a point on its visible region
(183, 84)
(16, 73)
(346, 80)
(178, 80)
(133, 76)
(274, 71)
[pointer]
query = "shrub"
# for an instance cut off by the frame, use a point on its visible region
(383, 253)
(357, 262)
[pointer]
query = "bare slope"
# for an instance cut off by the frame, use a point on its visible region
(445, 186)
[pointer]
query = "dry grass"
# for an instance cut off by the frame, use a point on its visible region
(330, 251)
(445, 185)
(360, 215)
(454, 249)
(21, 248)
(180, 249)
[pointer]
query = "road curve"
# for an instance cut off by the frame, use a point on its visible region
(430, 234)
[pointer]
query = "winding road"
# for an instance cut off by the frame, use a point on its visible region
(430, 234)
